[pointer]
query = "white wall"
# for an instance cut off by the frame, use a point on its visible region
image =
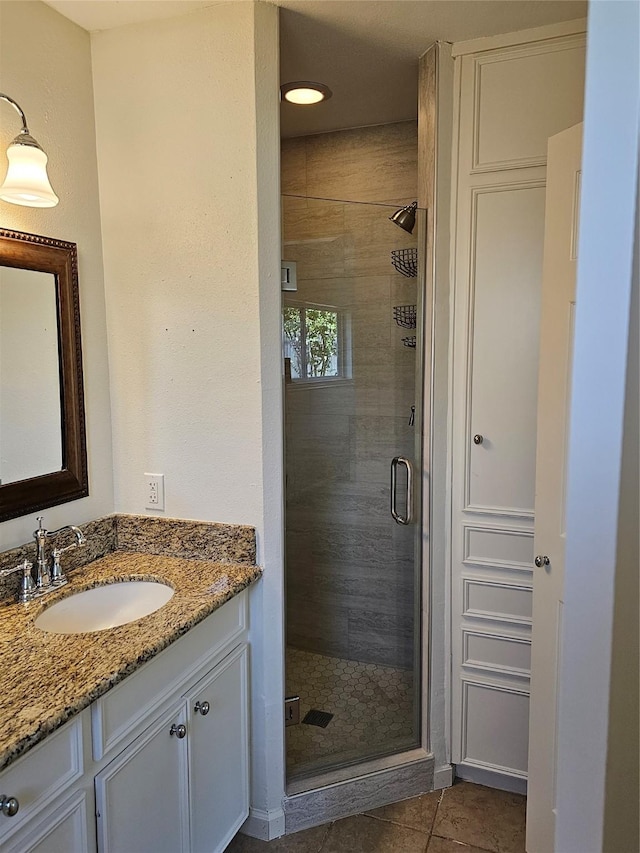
(175, 117)
(186, 116)
(45, 65)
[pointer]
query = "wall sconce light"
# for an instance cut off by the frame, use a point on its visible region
(26, 182)
(405, 217)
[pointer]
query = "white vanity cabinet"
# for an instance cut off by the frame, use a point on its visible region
(55, 798)
(218, 746)
(162, 758)
(141, 796)
(182, 785)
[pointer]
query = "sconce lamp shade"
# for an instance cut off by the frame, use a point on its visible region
(27, 182)
(405, 217)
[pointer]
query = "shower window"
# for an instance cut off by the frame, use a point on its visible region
(316, 341)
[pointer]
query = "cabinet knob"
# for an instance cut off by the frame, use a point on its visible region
(9, 806)
(179, 731)
(202, 708)
(478, 439)
(541, 560)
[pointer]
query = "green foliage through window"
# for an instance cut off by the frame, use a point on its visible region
(312, 340)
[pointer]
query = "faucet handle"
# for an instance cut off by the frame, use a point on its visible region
(58, 577)
(27, 587)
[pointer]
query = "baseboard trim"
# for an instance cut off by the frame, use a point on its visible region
(353, 796)
(491, 778)
(443, 777)
(265, 825)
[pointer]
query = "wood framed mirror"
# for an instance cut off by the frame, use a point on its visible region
(43, 451)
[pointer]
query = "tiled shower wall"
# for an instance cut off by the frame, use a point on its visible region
(350, 567)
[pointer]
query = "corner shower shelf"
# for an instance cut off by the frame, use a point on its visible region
(405, 316)
(410, 342)
(405, 261)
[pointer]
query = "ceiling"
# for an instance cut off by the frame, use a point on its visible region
(366, 51)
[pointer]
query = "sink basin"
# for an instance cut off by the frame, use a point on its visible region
(104, 607)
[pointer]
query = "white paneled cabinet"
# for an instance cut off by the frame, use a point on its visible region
(512, 93)
(142, 795)
(217, 742)
(67, 828)
(159, 763)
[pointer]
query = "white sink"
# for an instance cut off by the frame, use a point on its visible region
(104, 607)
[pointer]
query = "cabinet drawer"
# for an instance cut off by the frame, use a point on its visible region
(117, 716)
(43, 774)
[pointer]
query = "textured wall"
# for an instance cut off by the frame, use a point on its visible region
(350, 567)
(181, 277)
(54, 87)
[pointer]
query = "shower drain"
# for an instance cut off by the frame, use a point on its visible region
(318, 718)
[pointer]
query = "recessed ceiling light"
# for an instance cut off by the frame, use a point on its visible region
(305, 92)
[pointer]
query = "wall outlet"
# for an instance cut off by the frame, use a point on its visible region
(154, 491)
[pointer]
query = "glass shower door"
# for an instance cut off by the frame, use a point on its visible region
(352, 401)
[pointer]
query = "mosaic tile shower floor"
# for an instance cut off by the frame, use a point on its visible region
(372, 709)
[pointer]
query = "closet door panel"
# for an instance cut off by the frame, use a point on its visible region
(495, 727)
(513, 91)
(514, 113)
(508, 229)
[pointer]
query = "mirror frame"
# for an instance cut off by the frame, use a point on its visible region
(49, 255)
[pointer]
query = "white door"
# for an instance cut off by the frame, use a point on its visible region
(142, 795)
(218, 746)
(556, 344)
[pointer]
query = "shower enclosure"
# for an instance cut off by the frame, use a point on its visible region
(352, 346)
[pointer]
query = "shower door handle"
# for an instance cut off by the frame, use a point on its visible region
(401, 460)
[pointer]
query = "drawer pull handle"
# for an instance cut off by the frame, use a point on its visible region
(9, 806)
(478, 439)
(202, 708)
(179, 731)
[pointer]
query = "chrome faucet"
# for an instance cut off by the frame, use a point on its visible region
(57, 575)
(46, 579)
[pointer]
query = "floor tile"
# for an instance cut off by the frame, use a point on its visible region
(372, 709)
(446, 845)
(363, 834)
(490, 819)
(416, 813)
(307, 841)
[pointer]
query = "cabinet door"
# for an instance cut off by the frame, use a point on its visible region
(141, 796)
(218, 754)
(63, 830)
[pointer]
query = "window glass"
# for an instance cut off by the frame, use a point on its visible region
(316, 342)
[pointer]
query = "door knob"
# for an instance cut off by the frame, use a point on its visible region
(541, 560)
(9, 806)
(179, 731)
(478, 439)
(202, 708)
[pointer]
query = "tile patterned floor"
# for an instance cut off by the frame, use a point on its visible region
(463, 819)
(372, 707)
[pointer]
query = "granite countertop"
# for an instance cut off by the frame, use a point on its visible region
(47, 678)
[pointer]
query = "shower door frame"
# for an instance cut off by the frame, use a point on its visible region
(336, 793)
(389, 772)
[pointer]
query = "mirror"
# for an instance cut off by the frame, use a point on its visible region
(43, 457)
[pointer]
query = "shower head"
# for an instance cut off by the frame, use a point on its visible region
(405, 217)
